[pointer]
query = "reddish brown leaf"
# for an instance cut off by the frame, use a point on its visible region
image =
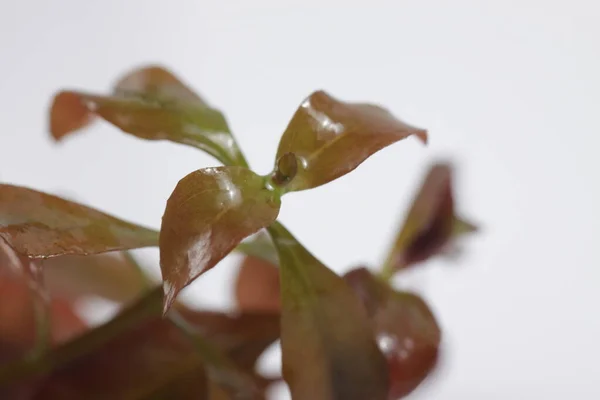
(331, 138)
(430, 223)
(221, 369)
(209, 213)
(156, 82)
(257, 286)
(153, 104)
(243, 336)
(112, 276)
(68, 114)
(39, 225)
(18, 319)
(406, 331)
(31, 319)
(151, 359)
(328, 348)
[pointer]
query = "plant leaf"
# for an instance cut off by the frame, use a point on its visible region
(243, 336)
(141, 362)
(327, 344)
(210, 212)
(406, 330)
(257, 286)
(17, 316)
(220, 368)
(156, 82)
(331, 138)
(462, 227)
(30, 319)
(430, 223)
(259, 246)
(112, 276)
(40, 225)
(150, 103)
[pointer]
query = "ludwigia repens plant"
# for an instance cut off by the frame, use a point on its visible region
(342, 337)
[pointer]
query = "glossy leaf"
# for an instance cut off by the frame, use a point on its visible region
(208, 214)
(330, 138)
(406, 330)
(113, 276)
(430, 223)
(257, 285)
(40, 225)
(150, 103)
(141, 363)
(328, 349)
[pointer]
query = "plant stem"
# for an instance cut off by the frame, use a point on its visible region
(386, 273)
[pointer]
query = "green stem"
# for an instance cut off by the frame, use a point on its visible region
(148, 306)
(386, 273)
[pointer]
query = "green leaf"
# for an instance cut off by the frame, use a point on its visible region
(430, 224)
(328, 348)
(40, 225)
(150, 103)
(406, 330)
(462, 227)
(330, 138)
(208, 214)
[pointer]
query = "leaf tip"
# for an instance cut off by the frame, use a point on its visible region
(465, 227)
(170, 292)
(68, 113)
(422, 135)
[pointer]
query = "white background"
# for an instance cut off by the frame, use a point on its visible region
(509, 90)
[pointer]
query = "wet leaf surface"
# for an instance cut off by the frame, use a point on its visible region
(327, 343)
(153, 104)
(208, 214)
(257, 285)
(40, 225)
(406, 330)
(330, 138)
(431, 222)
